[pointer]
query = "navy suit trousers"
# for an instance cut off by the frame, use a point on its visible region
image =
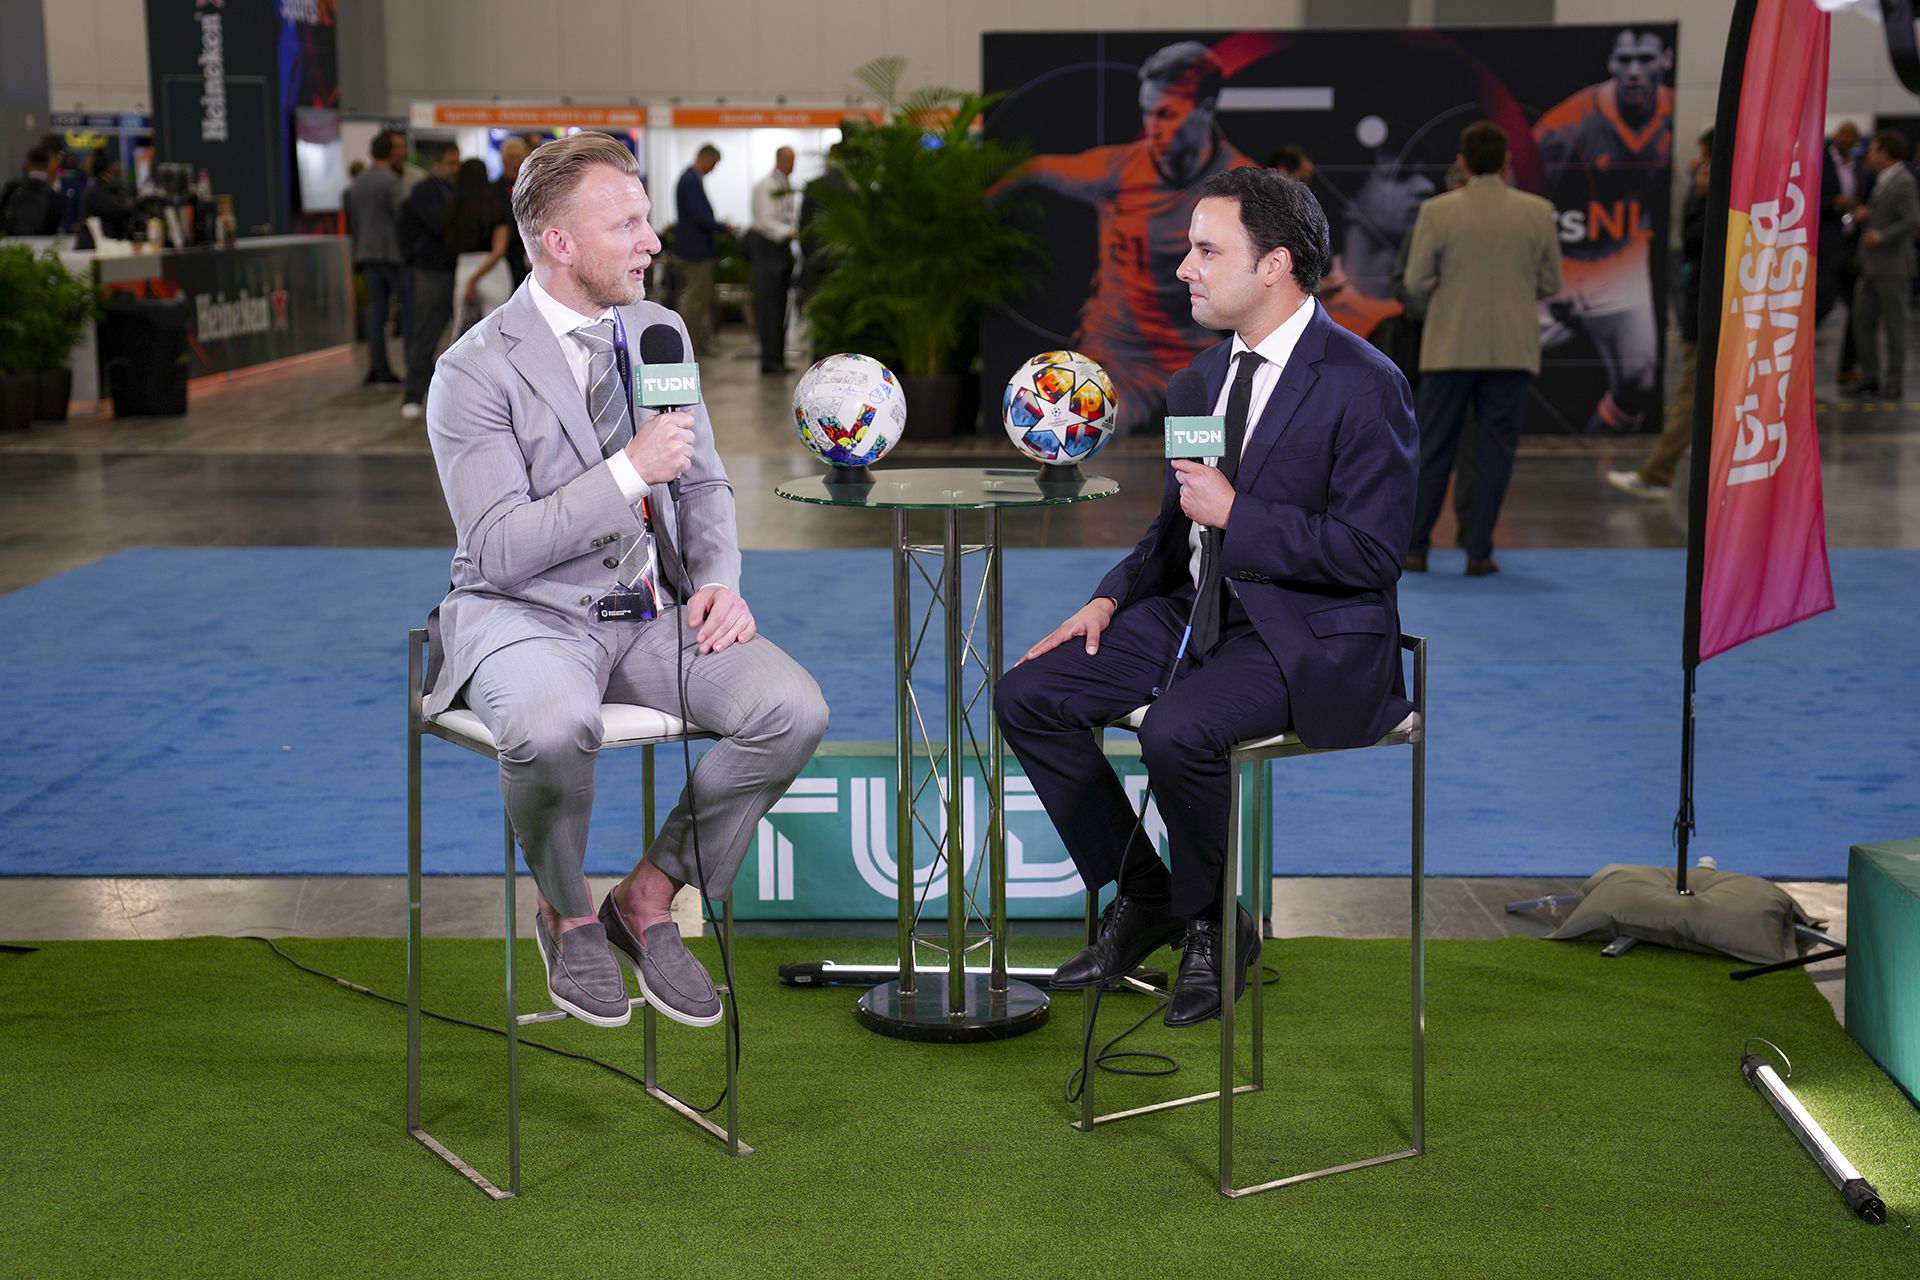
(1050, 706)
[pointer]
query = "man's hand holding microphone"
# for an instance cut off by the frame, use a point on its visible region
(662, 449)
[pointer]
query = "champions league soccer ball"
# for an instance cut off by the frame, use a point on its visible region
(1059, 408)
(850, 410)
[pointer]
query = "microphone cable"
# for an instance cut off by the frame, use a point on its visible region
(732, 1006)
(1109, 1052)
(726, 953)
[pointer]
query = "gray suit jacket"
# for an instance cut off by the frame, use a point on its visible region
(535, 509)
(1481, 260)
(1895, 212)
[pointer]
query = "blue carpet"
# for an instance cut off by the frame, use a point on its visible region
(244, 713)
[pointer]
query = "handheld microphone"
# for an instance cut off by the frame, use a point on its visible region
(668, 380)
(1192, 431)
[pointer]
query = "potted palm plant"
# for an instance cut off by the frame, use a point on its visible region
(911, 249)
(68, 303)
(19, 305)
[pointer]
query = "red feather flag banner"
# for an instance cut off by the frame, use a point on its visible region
(1756, 533)
(1762, 547)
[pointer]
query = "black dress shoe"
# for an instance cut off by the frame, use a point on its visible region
(1862, 390)
(1482, 568)
(1132, 929)
(1196, 992)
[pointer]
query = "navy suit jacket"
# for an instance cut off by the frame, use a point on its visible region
(1321, 521)
(693, 239)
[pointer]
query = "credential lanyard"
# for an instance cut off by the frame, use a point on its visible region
(624, 363)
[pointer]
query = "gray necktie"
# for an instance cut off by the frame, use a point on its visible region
(613, 428)
(606, 401)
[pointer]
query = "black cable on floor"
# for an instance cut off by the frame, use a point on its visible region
(1075, 1085)
(443, 1017)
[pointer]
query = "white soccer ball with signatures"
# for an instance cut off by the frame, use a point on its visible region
(850, 410)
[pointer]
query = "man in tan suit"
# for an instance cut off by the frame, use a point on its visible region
(1481, 260)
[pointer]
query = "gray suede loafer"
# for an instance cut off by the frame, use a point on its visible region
(582, 976)
(671, 979)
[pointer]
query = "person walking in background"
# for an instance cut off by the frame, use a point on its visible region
(693, 244)
(477, 233)
(373, 220)
(1841, 186)
(1481, 260)
(513, 154)
(770, 250)
(1653, 479)
(423, 236)
(1886, 223)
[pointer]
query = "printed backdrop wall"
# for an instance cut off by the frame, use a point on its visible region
(1125, 127)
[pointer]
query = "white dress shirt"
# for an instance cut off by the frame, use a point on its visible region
(1276, 348)
(563, 320)
(775, 215)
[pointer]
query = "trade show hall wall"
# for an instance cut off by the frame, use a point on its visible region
(753, 52)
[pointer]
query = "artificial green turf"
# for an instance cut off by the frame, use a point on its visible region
(200, 1107)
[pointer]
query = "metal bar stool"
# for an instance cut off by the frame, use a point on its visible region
(1242, 759)
(623, 726)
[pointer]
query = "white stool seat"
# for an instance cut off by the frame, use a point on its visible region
(622, 725)
(1407, 726)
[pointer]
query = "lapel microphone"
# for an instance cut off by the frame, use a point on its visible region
(668, 380)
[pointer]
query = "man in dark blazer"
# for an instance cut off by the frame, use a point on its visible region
(1283, 565)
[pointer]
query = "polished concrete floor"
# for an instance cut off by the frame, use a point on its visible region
(307, 456)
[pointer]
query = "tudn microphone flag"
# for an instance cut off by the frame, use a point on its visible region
(668, 380)
(1192, 432)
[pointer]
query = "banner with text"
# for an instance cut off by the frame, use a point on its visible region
(1764, 556)
(827, 849)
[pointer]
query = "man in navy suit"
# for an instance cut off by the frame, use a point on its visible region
(1283, 561)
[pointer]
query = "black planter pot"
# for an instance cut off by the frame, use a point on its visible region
(53, 388)
(940, 404)
(16, 401)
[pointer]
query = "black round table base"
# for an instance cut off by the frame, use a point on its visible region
(923, 1015)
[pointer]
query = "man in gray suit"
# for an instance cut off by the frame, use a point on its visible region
(1887, 220)
(1482, 258)
(598, 562)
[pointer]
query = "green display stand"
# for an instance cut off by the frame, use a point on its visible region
(1883, 957)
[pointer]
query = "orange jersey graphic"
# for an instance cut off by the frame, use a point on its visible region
(1604, 176)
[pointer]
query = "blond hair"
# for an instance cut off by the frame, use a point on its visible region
(550, 174)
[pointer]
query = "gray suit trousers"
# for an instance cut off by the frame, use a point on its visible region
(541, 698)
(1880, 317)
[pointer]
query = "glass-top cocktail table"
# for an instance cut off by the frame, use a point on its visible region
(950, 1001)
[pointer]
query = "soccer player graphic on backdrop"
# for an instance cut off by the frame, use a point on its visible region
(1138, 322)
(1607, 151)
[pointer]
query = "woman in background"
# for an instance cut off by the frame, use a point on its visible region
(477, 230)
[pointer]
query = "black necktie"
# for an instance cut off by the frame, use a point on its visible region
(1211, 601)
